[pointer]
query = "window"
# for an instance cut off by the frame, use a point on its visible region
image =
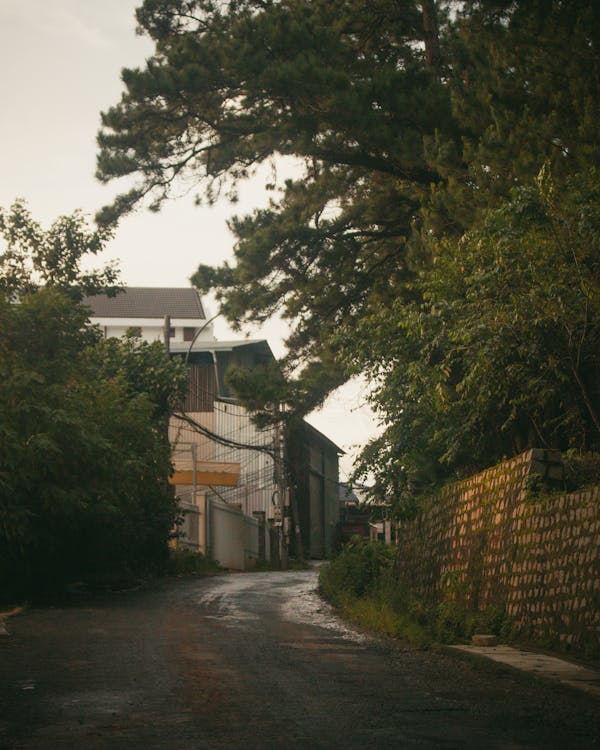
(171, 333)
(188, 334)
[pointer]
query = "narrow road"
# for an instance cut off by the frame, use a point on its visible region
(258, 661)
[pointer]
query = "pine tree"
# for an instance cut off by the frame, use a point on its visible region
(421, 128)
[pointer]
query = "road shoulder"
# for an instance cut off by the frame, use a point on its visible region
(577, 675)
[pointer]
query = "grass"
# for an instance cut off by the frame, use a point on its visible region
(184, 561)
(362, 584)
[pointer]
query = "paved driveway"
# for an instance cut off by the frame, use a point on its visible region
(258, 661)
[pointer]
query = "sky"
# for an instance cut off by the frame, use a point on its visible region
(60, 64)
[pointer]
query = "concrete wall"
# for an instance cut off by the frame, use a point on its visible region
(253, 493)
(191, 533)
(234, 541)
(152, 328)
(493, 541)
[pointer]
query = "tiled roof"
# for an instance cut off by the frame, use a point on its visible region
(148, 302)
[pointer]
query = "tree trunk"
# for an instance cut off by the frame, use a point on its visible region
(431, 36)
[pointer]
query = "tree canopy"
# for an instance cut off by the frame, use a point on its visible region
(425, 131)
(84, 454)
(237, 84)
(33, 256)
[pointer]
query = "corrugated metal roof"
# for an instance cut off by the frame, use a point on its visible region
(148, 302)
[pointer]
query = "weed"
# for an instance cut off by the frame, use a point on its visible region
(362, 583)
(187, 562)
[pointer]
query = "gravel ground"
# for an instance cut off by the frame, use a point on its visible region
(258, 661)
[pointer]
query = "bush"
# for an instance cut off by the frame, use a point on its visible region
(356, 571)
(84, 454)
(362, 583)
(581, 469)
(186, 562)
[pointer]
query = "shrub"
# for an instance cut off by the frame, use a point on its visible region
(356, 571)
(186, 561)
(362, 582)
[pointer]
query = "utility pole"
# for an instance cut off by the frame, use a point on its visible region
(292, 501)
(167, 341)
(279, 455)
(296, 523)
(167, 333)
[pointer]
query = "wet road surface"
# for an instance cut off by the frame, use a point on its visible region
(258, 661)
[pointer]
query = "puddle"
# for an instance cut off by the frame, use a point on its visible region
(96, 702)
(26, 685)
(241, 599)
(305, 606)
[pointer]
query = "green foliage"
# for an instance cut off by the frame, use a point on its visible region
(33, 257)
(581, 469)
(84, 454)
(441, 234)
(341, 86)
(501, 351)
(142, 368)
(356, 571)
(187, 562)
(363, 584)
(83, 460)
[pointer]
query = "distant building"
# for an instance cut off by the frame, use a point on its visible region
(143, 310)
(228, 492)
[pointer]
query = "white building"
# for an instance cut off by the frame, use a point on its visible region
(143, 310)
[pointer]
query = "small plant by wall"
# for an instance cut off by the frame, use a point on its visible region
(504, 552)
(363, 582)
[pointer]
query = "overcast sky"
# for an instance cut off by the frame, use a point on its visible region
(60, 63)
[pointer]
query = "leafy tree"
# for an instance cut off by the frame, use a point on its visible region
(422, 129)
(497, 350)
(502, 351)
(143, 368)
(34, 256)
(341, 85)
(83, 451)
(525, 90)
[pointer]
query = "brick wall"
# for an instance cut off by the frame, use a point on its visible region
(491, 541)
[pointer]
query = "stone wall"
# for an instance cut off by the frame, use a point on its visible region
(499, 540)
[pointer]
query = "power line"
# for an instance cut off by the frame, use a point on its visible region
(221, 439)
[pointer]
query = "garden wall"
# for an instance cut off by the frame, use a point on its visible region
(497, 540)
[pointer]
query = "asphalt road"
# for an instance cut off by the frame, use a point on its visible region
(258, 661)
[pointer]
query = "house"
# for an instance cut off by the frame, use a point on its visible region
(314, 479)
(355, 515)
(228, 473)
(362, 516)
(142, 310)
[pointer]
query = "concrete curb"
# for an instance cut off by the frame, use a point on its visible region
(4, 617)
(580, 676)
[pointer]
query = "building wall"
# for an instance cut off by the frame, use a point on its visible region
(257, 482)
(313, 464)
(188, 442)
(233, 536)
(189, 447)
(202, 388)
(151, 329)
(191, 533)
(491, 541)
